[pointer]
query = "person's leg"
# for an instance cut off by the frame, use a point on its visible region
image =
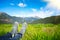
(6, 37)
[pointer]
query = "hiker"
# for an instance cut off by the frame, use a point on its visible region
(16, 36)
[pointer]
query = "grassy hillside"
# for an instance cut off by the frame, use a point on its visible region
(41, 29)
(52, 19)
(36, 31)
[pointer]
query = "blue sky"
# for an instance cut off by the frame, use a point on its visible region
(30, 8)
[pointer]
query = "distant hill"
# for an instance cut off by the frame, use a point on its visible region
(30, 19)
(52, 19)
(5, 18)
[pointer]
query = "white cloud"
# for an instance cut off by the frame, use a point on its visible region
(12, 4)
(41, 13)
(57, 12)
(53, 7)
(22, 5)
(44, 14)
(53, 4)
(34, 10)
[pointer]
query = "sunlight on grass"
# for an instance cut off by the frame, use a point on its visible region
(35, 31)
(42, 32)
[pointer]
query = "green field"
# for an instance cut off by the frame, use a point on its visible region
(35, 31)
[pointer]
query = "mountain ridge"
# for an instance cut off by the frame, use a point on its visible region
(52, 19)
(5, 18)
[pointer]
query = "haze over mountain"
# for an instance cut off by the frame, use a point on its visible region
(52, 19)
(5, 18)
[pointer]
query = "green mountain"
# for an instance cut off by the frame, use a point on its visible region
(5, 18)
(52, 19)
